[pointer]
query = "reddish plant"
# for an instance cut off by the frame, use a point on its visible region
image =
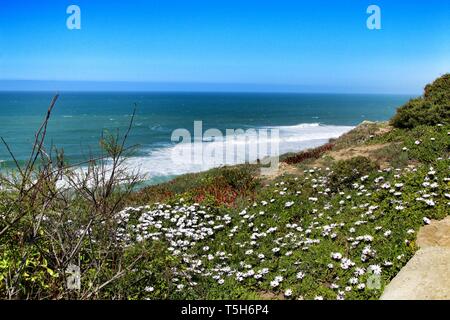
(222, 194)
(309, 154)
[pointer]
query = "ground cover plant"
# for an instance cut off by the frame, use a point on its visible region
(299, 239)
(336, 228)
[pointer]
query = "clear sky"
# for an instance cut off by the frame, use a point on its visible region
(279, 45)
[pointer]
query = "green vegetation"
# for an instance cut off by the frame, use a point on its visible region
(431, 109)
(224, 186)
(339, 228)
(347, 172)
(358, 136)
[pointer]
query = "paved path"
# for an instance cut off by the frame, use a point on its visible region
(427, 275)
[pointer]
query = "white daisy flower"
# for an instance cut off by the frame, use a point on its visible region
(288, 293)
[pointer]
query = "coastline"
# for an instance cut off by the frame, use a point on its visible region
(304, 137)
(339, 221)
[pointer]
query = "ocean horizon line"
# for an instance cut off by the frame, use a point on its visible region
(119, 86)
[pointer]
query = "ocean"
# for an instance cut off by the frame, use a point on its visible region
(79, 118)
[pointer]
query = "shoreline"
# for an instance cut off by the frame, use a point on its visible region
(309, 144)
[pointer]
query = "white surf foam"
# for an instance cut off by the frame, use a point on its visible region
(160, 162)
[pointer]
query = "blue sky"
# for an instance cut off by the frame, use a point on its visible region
(312, 46)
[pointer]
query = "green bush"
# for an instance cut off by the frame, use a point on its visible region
(346, 172)
(431, 109)
(240, 177)
(419, 112)
(439, 91)
(392, 153)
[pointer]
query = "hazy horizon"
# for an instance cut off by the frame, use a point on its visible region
(183, 87)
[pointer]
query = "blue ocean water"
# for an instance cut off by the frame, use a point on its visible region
(304, 120)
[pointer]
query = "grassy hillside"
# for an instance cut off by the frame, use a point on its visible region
(338, 222)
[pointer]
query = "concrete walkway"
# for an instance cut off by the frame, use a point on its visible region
(427, 275)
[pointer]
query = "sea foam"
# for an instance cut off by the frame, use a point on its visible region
(176, 159)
